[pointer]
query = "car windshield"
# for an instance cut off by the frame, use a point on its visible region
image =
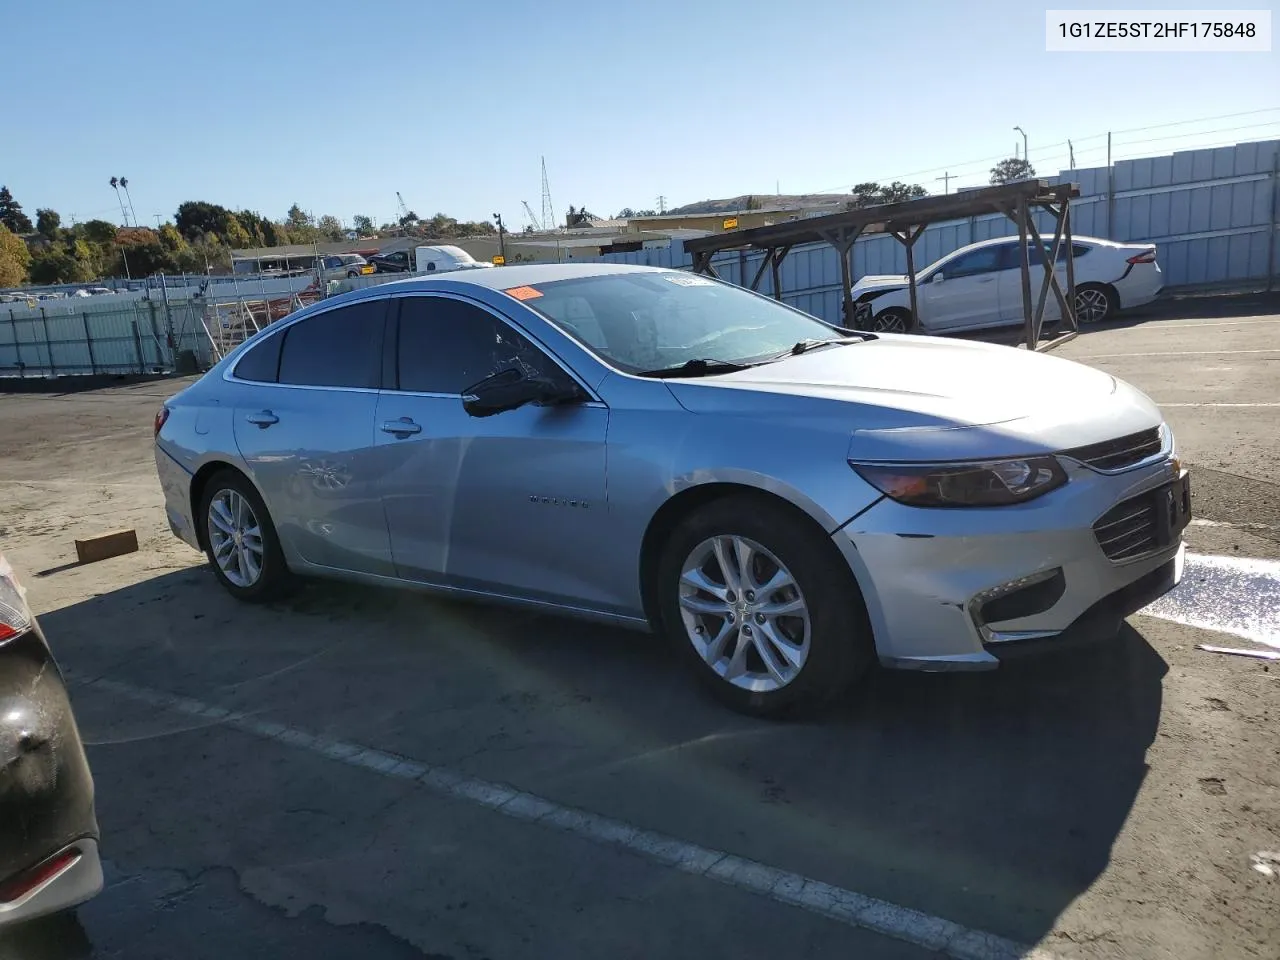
(639, 322)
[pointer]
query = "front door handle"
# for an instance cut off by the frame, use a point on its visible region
(263, 418)
(401, 428)
(985, 279)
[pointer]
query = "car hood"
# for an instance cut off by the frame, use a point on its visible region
(884, 282)
(908, 397)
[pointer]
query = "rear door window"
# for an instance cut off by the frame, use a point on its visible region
(261, 362)
(337, 348)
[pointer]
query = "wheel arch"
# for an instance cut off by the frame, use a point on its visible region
(199, 480)
(676, 508)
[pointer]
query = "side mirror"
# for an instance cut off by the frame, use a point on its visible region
(510, 389)
(937, 277)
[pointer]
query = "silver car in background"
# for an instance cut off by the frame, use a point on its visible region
(788, 502)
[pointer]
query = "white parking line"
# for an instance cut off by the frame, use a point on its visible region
(1173, 353)
(1211, 403)
(793, 889)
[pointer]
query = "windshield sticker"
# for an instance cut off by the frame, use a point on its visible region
(690, 280)
(523, 293)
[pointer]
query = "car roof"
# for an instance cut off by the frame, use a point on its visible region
(1002, 241)
(524, 275)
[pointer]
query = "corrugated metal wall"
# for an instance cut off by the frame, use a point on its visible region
(1211, 214)
(83, 337)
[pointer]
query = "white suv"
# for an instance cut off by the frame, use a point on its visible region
(981, 286)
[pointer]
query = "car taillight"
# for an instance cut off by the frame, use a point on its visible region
(15, 618)
(24, 883)
(1146, 256)
(161, 416)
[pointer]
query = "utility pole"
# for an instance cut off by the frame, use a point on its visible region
(157, 216)
(946, 179)
(502, 246)
(662, 204)
(1071, 153)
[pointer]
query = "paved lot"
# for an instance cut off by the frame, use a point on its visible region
(1105, 805)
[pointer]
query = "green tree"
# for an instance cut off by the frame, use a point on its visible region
(11, 214)
(362, 224)
(89, 259)
(58, 264)
(871, 194)
(48, 222)
(297, 217)
(195, 218)
(100, 231)
(14, 259)
(236, 235)
(330, 227)
(171, 239)
(1011, 169)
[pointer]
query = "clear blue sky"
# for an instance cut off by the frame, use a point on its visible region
(335, 106)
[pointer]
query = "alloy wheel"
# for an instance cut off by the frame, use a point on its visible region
(890, 322)
(235, 536)
(744, 613)
(1091, 306)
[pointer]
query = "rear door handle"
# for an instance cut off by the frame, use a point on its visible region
(401, 428)
(985, 279)
(263, 418)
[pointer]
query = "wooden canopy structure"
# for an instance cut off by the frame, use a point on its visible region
(906, 221)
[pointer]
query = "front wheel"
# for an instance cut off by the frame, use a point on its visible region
(893, 320)
(241, 541)
(763, 608)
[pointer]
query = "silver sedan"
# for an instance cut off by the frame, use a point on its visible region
(786, 501)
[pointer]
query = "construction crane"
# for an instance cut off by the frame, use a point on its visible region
(404, 211)
(529, 212)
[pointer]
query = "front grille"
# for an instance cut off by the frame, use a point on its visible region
(1129, 529)
(1120, 453)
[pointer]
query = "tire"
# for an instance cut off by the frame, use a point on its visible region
(1096, 303)
(893, 320)
(828, 652)
(352, 274)
(234, 493)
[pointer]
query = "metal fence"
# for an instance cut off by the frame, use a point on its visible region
(1211, 213)
(139, 336)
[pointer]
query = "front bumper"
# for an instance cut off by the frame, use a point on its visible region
(928, 575)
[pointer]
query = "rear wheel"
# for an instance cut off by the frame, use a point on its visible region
(893, 320)
(762, 608)
(241, 540)
(1096, 303)
(352, 273)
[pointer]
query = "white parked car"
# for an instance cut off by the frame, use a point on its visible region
(981, 286)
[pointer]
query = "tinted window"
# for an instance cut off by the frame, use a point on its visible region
(446, 346)
(1034, 256)
(339, 348)
(982, 260)
(261, 362)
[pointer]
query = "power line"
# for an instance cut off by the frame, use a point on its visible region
(1046, 151)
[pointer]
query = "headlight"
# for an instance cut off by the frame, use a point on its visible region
(15, 618)
(989, 484)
